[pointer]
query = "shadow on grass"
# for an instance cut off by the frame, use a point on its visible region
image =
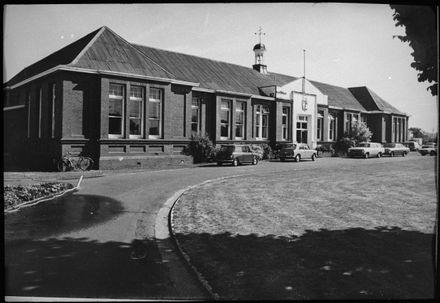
(356, 263)
(79, 267)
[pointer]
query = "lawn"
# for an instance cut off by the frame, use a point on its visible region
(351, 232)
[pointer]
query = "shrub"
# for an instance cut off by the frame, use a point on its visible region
(267, 150)
(200, 147)
(359, 132)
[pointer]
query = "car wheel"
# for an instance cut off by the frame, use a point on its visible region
(432, 153)
(254, 161)
(235, 162)
(313, 157)
(297, 158)
(282, 159)
(403, 154)
(379, 155)
(366, 156)
(391, 154)
(219, 163)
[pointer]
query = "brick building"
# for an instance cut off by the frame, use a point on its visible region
(128, 105)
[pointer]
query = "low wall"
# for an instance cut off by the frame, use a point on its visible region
(147, 162)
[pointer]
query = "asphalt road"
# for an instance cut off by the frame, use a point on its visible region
(101, 242)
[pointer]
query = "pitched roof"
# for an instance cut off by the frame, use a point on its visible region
(371, 101)
(339, 96)
(104, 50)
(211, 74)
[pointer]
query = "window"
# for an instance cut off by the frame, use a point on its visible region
(320, 126)
(285, 123)
(155, 112)
(351, 119)
(225, 113)
(40, 107)
(135, 112)
(332, 127)
(261, 122)
(52, 102)
(240, 114)
(116, 111)
(301, 129)
(28, 102)
(195, 115)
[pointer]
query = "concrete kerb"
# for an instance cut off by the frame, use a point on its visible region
(164, 228)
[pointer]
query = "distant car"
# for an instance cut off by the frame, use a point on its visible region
(297, 152)
(366, 150)
(236, 154)
(278, 148)
(394, 149)
(428, 150)
(412, 145)
(258, 150)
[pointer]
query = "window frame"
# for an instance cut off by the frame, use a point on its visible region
(285, 126)
(53, 108)
(240, 109)
(320, 126)
(159, 118)
(141, 116)
(228, 111)
(196, 107)
(261, 111)
(122, 117)
(40, 108)
(28, 101)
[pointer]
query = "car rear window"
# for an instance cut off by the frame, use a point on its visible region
(389, 145)
(364, 145)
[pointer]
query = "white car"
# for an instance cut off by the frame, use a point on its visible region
(366, 150)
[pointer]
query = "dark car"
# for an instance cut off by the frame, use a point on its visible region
(412, 145)
(297, 151)
(236, 154)
(394, 149)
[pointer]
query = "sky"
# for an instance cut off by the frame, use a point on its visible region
(346, 44)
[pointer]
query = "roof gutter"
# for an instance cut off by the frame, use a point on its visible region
(100, 72)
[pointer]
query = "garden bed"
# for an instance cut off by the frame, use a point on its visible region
(14, 195)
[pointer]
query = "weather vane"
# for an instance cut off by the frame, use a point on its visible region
(260, 33)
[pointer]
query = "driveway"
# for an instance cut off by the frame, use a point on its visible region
(101, 242)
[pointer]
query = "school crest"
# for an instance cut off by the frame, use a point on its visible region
(304, 104)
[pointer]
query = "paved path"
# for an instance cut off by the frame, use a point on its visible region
(112, 250)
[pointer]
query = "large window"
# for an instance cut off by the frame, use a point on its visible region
(320, 126)
(135, 111)
(195, 115)
(52, 102)
(240, 114)
(155, 113)
(28, 102)
(285, 117)
(302, 129)
(350, 120)
(40, 108)
(332, 121)
(116, 111)
(225, 118)
(261, 122)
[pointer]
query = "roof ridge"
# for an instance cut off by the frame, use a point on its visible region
(200, 57)
(132, 46)
(84, 50)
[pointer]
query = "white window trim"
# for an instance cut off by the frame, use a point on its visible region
(110, 96)
(52, 130)
(228, 110)
(285, 126)
(259, 112)
(198, 106)
(40, 105)
(243, 112)
(138, 99)
(153, 100)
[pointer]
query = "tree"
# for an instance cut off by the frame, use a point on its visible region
(359, 132)
(421, 33)
(416, 132)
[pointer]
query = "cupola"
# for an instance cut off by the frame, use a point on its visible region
(259, 50)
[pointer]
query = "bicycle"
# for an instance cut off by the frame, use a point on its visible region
(69, 162)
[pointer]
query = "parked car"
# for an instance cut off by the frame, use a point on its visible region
(258, 150)
(297, 151)
(366, 150)
(278, 148)
(394, 149)
(428, 150)
(236, 154)
(412, 145)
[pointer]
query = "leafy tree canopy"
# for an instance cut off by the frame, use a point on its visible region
(421, 33)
